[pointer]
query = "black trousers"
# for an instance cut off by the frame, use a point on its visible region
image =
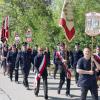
(93, 90)
(25, 76)
(76, 75)
(62, 80)
(55, 70)
(4, 64)
(16, 74)
(45, 86)
(11, 69)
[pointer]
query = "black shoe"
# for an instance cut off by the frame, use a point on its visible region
(16, 82)
(36, 94)
(46, 97)
(68, 95)
(58, 91)
(11, 79)
(24, 84)
(27, 88)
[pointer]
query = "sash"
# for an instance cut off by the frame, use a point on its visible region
(97, 58)
(41, 70)
(68, 73)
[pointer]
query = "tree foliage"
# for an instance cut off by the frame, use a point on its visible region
(43, 20)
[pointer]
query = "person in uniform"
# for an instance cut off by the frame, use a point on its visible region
(38, 61)
(55, 64)
(4, 59)
(54, 60)
(47, 53)
(77, 54)
(87, 78)
(11, 59)
(24, 58)
(34, 53)
(97, 54)
(63, 73)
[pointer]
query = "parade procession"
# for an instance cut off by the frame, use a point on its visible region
(49, 50)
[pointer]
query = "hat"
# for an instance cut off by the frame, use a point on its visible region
(14, 45)
(77, 43)
(24, 43)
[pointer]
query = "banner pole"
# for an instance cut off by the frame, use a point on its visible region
(91, 54)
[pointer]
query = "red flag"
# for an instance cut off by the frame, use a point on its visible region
(66, 20)
(7, 27)
(3, 39)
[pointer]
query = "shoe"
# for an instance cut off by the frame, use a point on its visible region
(16, 82)
(11, 79)
(58, 91)
(27, 88)
(36, 94)
(68, 95)
(46, 97)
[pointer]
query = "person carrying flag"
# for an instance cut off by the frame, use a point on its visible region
(62, 58)
(40, 67)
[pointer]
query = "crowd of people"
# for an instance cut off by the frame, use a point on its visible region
(85, 64)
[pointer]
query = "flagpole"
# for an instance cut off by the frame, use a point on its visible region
(92, 38)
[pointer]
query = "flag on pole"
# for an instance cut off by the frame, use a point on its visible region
(67, 20)
(7, 27)
(3, 39)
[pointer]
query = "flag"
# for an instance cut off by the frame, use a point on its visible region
(7, 27)
(67, 20)
(3, 39)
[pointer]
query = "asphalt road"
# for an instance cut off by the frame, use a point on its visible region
(13, 91)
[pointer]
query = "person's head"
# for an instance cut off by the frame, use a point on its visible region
(13, 47)
(24, 46)
(62, 46)
(40, 50)
(97, 49)
(47, 49)
(5, 48)
(87, 52)
(77, 46)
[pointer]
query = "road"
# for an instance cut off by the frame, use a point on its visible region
(13, 91)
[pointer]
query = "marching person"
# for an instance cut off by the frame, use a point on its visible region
(47, 53)
(62, 58)
(55, 64)
(4, 59)
(11, 59)
(34, 53)
(77, 54)
(40, 65)
(97, 57)
(24, 58)
(87, 78)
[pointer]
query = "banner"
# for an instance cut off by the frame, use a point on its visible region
(3, 39)
(67, 20)
(7, 27)
(29, 35)
(92, 24)
(17, 38)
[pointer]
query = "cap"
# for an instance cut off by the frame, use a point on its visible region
(24, 43)
(14, 45)
(77, 43)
